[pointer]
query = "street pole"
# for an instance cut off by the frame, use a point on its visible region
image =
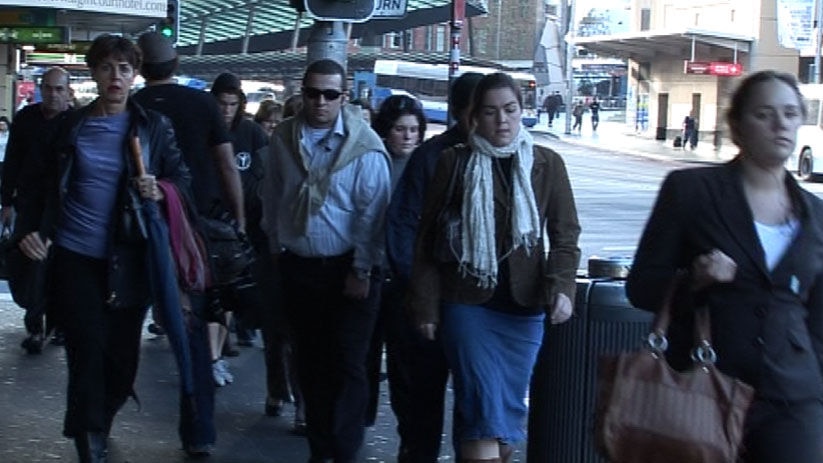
(327, 39)
(458, 16)
(818, 34)
(569, 37)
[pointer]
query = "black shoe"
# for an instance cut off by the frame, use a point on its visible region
(199, 451)
(274, 407)
(299, 428)
(229, 351)
(58, 339)
(91, 447)
(33, 344)
(156, 329)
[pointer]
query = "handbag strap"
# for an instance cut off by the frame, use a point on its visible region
(703, 353)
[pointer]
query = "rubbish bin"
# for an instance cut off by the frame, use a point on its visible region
(564, 384)
(660, 134)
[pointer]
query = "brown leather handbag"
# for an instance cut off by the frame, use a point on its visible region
(647, 412)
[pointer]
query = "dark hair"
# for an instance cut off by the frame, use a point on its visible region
(395, 107)
(326, 67)
(230, 84)
(292, 105)
(740, 98)
(7, 121)
(460, 95)
(159, 71)
(108, 45)
(493, 82)
(266, 110)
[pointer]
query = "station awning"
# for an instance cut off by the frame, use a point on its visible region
(280, 65)
(645, 46)
(270, 24)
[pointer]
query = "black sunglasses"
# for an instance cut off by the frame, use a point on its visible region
(328, 94)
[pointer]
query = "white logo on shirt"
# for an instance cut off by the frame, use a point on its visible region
(243, 160)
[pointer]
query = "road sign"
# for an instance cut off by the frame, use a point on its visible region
(33, 35)
(389, 9)
(712, 68)
(353, 11)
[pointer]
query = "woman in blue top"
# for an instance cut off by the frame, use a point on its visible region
(99, 288)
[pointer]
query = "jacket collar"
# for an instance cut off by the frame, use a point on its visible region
(740, 221)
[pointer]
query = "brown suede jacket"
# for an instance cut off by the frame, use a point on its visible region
(535, 277)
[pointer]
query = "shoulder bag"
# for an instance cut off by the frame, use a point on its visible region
(647, 412)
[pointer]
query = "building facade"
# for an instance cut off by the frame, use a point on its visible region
(684, 59)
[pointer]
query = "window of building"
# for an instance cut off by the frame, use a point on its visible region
(645, 19)
(429, 44)
(440, 38)
(393, 40)
(481, 42)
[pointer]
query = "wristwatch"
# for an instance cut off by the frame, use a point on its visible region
(361, 274)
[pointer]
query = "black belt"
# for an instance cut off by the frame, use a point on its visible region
(321, 261)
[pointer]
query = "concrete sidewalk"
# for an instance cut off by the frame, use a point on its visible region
(614, 135)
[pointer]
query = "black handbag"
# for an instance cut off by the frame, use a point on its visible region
(447, 245)
(230, 254)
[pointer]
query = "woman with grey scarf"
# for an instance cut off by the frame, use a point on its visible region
(486, 299)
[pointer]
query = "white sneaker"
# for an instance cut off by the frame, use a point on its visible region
(217, 373)
(223, 369)
(226, 373)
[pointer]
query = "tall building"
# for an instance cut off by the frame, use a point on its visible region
(684, 58)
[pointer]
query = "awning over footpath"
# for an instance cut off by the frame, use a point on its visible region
(645, 46)
(223, 25)
(279, 65)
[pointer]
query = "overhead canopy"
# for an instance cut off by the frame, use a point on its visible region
(269, 24)
(644, 46)
(280, 65)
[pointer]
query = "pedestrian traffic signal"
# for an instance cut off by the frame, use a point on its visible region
(340, 10)
(169, 27)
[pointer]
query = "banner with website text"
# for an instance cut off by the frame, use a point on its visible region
(147, 8)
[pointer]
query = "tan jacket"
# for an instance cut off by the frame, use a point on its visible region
(535, 278)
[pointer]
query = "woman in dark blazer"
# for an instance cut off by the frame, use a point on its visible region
(752, 242)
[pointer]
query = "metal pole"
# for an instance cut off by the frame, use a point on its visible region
(499, 25)
(818, 28)
(327, 39)
(569, 35)
(458, 16)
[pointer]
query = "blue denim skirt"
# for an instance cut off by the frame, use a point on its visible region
(491, 355)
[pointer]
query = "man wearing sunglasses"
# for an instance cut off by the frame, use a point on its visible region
(326, 192)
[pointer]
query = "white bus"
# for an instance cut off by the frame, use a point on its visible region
(430, 84)
(807, 159)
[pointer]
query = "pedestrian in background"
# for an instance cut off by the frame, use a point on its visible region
(594, 108)
(577, 112)
(99, 284)
(421, 360)
(216, 192)
(487, 293)
(401, 124)
(690, 131)
(327, 187)
(5, 126)
(27, 153)
(750, 240)
(268, 115)
(240, 298)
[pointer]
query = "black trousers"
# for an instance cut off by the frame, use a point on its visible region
(102, 344)
(418, 377)
(779, 432)
(332, 333)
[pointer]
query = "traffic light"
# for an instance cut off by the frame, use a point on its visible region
(169, 27)
(341, 10)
